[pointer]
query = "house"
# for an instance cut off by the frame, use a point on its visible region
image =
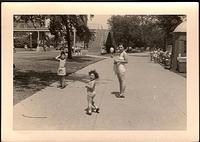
(35, 32)
(177, 45)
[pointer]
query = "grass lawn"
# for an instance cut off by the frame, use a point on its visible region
(35, 71)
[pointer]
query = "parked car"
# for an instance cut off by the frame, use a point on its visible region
(129, 49)
(136, 50)
(103, 51)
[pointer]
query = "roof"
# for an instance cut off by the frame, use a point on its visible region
(181, 27)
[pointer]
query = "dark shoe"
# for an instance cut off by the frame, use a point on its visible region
(62, 87)
(97, 110)
(89, 112)
(121, 96)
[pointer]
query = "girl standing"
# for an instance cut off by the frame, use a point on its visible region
(91, 92)
(62, 68)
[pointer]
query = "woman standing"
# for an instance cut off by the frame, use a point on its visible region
(120, 69)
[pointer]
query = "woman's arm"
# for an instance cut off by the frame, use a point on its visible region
(125, 58)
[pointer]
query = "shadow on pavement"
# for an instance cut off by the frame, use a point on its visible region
(116, 94)
(78, 77)
(28, 78)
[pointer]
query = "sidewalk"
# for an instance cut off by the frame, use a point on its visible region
(155, 100)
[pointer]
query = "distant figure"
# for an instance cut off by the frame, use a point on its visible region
(155, 56)
(14, 71)
(77, 50)
(45, 47)
(73, 49)
(151, 55)
(25, 47)
(91, 92)
(120, 69)
(62, 68)
(111, 51)
(129, 49)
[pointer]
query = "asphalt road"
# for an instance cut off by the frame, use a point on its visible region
(155, 100)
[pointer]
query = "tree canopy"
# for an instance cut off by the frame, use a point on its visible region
(143, 30)
(61, 26)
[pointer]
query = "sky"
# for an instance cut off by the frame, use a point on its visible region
(99, 19)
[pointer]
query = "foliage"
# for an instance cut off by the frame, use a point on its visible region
(143, 30)
(23, 38)
(84, 34)
(61, 26)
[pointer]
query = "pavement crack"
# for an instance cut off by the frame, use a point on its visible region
(34, 116)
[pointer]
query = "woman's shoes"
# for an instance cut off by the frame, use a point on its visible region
(121, 96)
(62, 87)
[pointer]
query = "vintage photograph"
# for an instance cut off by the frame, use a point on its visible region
(99, 72)
(104, 71)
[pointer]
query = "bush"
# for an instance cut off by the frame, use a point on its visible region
(23, 38)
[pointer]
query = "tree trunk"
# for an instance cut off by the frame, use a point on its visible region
(165, 41)
(69, 42)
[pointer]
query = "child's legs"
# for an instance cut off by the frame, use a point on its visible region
(93, 103)
(62, 80)
(89, 99)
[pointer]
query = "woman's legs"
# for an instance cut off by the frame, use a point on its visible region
(122, 86)
(120, 83)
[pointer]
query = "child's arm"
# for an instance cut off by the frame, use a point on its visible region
(57, 57)
(90, 85)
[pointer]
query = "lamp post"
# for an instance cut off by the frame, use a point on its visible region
(74, 30)
(30, 41)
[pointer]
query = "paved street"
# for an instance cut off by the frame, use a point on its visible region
(155, 100)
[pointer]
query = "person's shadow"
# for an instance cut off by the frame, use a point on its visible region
(117, 94)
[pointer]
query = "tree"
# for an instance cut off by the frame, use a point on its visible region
(61, 26)
(84, 34)
(143, 30)
(168, 23)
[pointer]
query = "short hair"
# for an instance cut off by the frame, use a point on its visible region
(95, 73)
(62, 52)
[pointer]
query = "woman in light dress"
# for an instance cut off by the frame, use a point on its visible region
(120, 69)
